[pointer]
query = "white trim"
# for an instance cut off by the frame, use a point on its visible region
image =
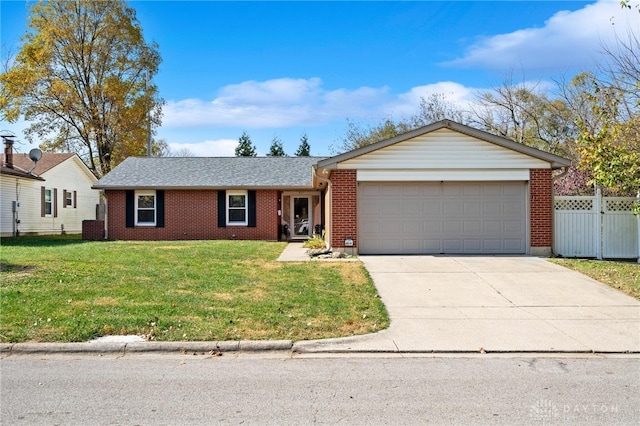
(155, 207)
(246, 208)
(52, 201)
(397, 175)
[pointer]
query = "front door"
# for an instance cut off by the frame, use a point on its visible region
(301, 217)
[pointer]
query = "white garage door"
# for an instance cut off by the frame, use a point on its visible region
(442, 217)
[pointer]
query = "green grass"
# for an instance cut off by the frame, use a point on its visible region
(63, 289)
(624, 276)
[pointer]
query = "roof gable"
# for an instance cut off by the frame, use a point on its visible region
(445, 144)
(48, 161)
(210, 173)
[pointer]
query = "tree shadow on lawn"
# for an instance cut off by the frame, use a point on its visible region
(43, 241)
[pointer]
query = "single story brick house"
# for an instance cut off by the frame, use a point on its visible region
(444, 188)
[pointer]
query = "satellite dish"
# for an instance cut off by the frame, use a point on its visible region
(35, 154)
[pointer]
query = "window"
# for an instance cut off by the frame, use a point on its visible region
(237, 208)
(69, 199)
(145, 208)
(48, 202)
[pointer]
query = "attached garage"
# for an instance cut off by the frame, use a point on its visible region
(445, 188)
(442, 217)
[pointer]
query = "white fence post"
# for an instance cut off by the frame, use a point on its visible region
(599, 214)
(638, 219)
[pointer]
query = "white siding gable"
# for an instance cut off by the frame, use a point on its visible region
(444, 149)
(70, 175)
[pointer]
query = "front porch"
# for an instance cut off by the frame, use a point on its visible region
(301, 215)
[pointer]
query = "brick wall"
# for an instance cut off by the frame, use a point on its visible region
(93, 230)
(193, 215)
(541, 208)
(344, 211)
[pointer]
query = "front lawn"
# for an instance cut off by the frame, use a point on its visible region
(63, 289)
(624, 276)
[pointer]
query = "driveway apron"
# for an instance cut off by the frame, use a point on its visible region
(493, 304)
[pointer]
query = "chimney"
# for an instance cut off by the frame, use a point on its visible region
(8, 151)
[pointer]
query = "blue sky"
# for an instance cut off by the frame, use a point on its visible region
(287, 68)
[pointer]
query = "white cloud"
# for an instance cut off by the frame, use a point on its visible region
(566, 41)
(274, 103)
(406, 104)
(208, 148)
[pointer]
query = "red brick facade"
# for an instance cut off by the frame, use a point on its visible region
(93, 230)
(541, 208)
(344, 207)
(193, 215)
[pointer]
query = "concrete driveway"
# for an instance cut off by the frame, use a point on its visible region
(492, 304)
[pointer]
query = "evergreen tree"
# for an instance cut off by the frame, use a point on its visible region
(245, 148)
(304, 148)
(276, 149)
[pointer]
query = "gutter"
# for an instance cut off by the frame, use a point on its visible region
(327, 219)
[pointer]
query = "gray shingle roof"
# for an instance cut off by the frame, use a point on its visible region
(210, 172)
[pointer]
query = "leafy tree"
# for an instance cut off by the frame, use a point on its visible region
(436, 107)
(518, 111)
(245, 148)
(609, 130)
(83, 80)
(304, 148)
(358, 136)
(431, 109)
(276, 149)
(610, 147)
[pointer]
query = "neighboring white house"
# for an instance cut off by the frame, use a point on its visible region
(50, 197)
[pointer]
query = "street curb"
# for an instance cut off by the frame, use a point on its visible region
(145, 347)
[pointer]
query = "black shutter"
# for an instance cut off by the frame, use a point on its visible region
(130, 207)
(160, 209)
(43, 210)
(251, 199)
(222, 209)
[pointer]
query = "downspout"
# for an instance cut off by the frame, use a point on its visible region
(327, 218)
(553, 211)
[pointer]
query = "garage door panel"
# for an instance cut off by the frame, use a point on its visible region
(432, 245)
(431, 208)
(472, 245)
(452, 208)
(516, 226)
(452, 245)
(392, 228)
(492, 245)
(512, 245)
(472, 190)
(393, 209)
(492, 208)
(512, 208)
(436, 217)
(411, 246)
(452, 190)
(412, 208)
(513, 190)
(391, 190)
(432, 227)
(472, 208)
(411, 190)
(472, 227)
(452, 227)
(411, 227)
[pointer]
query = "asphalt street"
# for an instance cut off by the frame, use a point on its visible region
(277, 388)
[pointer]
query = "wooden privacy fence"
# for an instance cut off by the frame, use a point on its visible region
(596, 226)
